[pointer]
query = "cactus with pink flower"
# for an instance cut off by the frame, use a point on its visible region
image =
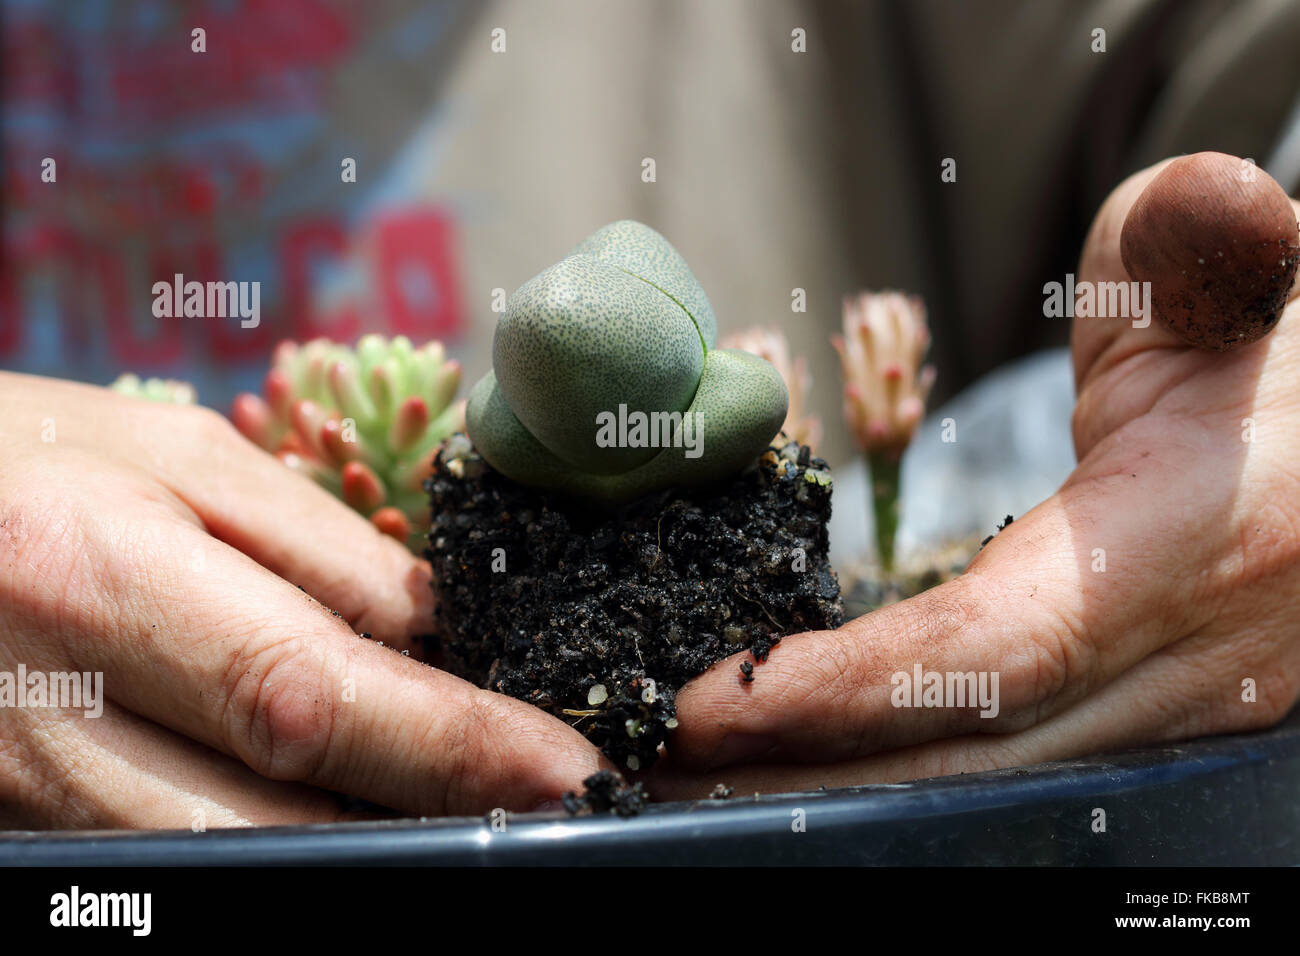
(881, 351)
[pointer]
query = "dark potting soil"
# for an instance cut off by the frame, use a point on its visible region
(599, 617)
(605, 791)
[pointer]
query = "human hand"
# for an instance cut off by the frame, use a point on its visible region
(155, 545)
(1139, 604)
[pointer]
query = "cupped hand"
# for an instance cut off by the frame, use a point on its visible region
(219, 595)
(1154, 597)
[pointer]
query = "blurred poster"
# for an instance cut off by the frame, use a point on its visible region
(273, 154)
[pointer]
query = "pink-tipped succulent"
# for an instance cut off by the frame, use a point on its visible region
(771, 344)
(168, 391)
(885, 387)
(362, 422)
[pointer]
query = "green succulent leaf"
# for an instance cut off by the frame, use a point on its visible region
(620, 328)
(583, 337)
(165, 391)
(640, 251)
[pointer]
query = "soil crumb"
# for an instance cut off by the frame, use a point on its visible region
(605, 791)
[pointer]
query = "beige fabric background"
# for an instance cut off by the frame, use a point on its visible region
(820, 170)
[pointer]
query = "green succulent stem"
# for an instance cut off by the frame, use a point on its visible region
(885, 466)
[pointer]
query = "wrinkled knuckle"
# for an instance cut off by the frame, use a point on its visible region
(1048, 656)
(32, 528)
(1051, 664)
(1270, 546)
(820, 685)
(839, 668)
(1083, 421)
(468, 744)
(279, 714)
(1060, 658)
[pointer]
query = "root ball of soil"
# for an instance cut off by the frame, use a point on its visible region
(598, 617)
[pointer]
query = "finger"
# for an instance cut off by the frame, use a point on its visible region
(1033, 612)
(295, 528)
(233, 656)
(1029, 609)
(1186, 209)
(1191, 689)
(116, 770)
(1217, 239)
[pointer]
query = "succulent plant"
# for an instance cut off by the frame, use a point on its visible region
(885, 386)
(605, 381)
(772, 345)
(168, 391)
(363, 423)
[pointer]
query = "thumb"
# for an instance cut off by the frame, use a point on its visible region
(1033, 626)
(1216, 239)
(1035, 609)
(1213, 241)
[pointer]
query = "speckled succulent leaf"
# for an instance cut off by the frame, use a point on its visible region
(579, 339)
(363, 422)
(506, 444)
(638, 249)
(589, 335)
(771, 344)
(742, 402)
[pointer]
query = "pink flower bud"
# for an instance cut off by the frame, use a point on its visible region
(881, 351)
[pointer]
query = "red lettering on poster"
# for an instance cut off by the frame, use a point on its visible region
(419, 288)
(303, 244)
(159, 345)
